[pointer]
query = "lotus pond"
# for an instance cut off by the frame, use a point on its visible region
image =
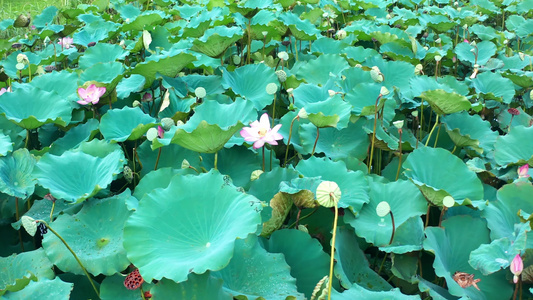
(267, 149)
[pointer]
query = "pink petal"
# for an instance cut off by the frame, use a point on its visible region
(517, 265)
(82, 102)
(264, 121)
(258, 144)
(249, 134)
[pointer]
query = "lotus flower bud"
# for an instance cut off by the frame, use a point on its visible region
(517, 266)
(384, 91)
(332, 93)
(376, 75)
(185, 164)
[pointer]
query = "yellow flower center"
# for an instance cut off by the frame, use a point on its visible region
(262, 132)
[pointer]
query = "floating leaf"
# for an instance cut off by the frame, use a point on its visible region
(243, 81)
(216, 40)
(18, 270)
(125, 124)
(516, 147)
(16, 178)
(203, 286)
(443, 102)
(42, 289)
(199, 206)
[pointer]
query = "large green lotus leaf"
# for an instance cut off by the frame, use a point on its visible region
(127, 123)
(452, 248)
(244, 81)
(6, 145)
(216, 40)
(438, 173)
(213, 124)
(17, 270)
(360, 53)
(211, 83)
(396, 73)
(443, 102)
(67, 89)
(352, 267)
(327, 45)
(95, 31)
(320, 70)
(516, 147)
(337, 144)
(202, 286)
(47, 16)
(40, 210)
(144, 20)
(466, 52)
(107, 73)
(307, 93)
(190, 226)
(16, 178)
(353, 77)
(244, 277)
(353, 185)
(470, 130)
(74, 137)
(420, 84)
(159, 178)
(333, 112)
(168, 63)
(503, 215)
(32, 107)
(10, 63)
(377, 230)
(75, 175)
(132, 84)
(300, 29)
(358, 292)
(363, 98)
(43, 289)
(101, 53)
(494, 86)
(308, 261)
(94, 234)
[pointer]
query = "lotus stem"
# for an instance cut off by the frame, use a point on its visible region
(316, 141)
(289, 142)
(263, 148)
(27, 138)
(304, 217)
(393, 227)
(432, 129)
(249, 30)
(159, 155)
(443, 211)
(454, 148)
(437, 137)
(216, 160)
(332, 260)
(52, 211)
(427, 217)
(373, 134)
(73, 254)
(400, 157)
(17, 217)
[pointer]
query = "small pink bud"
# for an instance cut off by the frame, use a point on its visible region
(523, 171)
(517, 265)
(160, 132)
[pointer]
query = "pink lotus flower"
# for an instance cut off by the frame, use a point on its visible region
(90, 95)
(260, 132)
(65, 42)
(4, 90)
(523, 171)
(517, 265)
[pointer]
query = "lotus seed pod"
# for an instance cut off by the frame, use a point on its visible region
(398, 124)
(414, 113)
(151, 134)
(465, 26)
(179, 123)
(22, 20)
(22, 58)
(200, 92)
(383, 209)
(136, 103)
(476, 66)
(255, 175)
(283, 55)
(265, 33)
(185, 164)
(341, 34)
(290, 90)
(302, 114)
(128, 174)
(520, 54)
(19, 66)
(384, 91)
(328, 193)
(531, 94)
(167, 123)
(271, 88)
(448, 201)
(473, 43)
(418, 69)
(358, 66)
(438, 41)
(331, 93)
(438, 58)
(236, 59)
(29, 224)
(303, 228)
(282, 76)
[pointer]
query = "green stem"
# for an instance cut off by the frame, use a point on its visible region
(216, 160)
(159, 155)
(52, 210)
(454, 148)
(28, 138)
(373, 134)
(249, 30)
(304, 217)
(316, 141)
(289, 142)
(400, 161)
(73, 254)
(263, 148)
(332, 260)
(393, 227)
(432, 129)
(437, 138)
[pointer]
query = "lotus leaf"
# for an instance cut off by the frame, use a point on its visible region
(479, 54)
(431, 169)
(514, 147)
(216, 40)
(94, 234)
(452, 248)
(244, 276)
(320, 70)
(203, 286)
(213, 124)
(125, 124)
(42, 289)
(244, 81)
(31, 108)
(358, 292)
(303, 254)
(168, 63)
(16, 178)
(494, 86)
(6, 145)
(333, 112)
(145, 19)
(101, 53)
(199, 206)
(126, 86)
(443, 102)
(18, 270)
(466, 130)
(75, 175)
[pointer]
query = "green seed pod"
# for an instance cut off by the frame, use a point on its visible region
(128, 174)
(151, 134)
(271, 88)
(328, 193)
(167, 123)
(282, 76)
(200, 92)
